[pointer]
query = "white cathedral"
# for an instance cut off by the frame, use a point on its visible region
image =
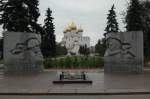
(73, 39)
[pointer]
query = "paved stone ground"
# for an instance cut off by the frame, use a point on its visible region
(102, 84)
(78, 97)
(1, 72)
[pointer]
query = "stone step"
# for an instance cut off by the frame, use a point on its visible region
(1, 66)
(1, 73)
(1, 76)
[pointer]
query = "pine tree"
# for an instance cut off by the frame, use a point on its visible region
(2, 7)
(33, 9)
(14, 15)
(81, 50)
(146, 28)
(84, 50)
(100, 47)
(48, 39)
(134, 16)
(112, 24)
(34, 15)
(20, 16)
(87, 50)
(1, 47)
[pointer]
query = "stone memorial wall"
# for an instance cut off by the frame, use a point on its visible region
(22, 52)
(124, 52)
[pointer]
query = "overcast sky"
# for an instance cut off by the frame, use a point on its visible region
(89, 14)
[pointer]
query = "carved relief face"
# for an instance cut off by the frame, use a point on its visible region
(30, 48)
(34, 49)
(113, 44)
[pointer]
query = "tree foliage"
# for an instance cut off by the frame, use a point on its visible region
(134, 17)
(20, 15)
(100, 47)
(146, 27)
(48, 39)
(112, 24)
(1, 47)
(60, 50)
(84, 50)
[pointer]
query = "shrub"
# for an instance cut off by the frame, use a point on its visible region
(91, 62)
(47, 63)
(68, 62)
(61, 63)
(74, 62)
(99, 62)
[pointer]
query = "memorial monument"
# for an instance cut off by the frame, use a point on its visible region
(124, 52)
(72, 77)
(22, 52)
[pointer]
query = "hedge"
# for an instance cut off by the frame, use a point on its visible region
(74, 62)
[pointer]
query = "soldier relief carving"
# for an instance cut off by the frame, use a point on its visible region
(124, 52)
(24, 53)
(118, 48)
(28, 45)
(28, 51)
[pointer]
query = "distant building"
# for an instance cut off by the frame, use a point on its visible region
(73, 39)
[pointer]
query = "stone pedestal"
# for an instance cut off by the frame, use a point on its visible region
(22, 52)
(124, 52)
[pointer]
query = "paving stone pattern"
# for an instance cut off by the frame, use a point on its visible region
(102, 83)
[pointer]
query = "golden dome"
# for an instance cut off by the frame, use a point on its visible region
(67, 29)
(80, 30)
(72, 26)
(64, 31)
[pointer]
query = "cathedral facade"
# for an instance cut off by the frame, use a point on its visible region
(73, 39)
